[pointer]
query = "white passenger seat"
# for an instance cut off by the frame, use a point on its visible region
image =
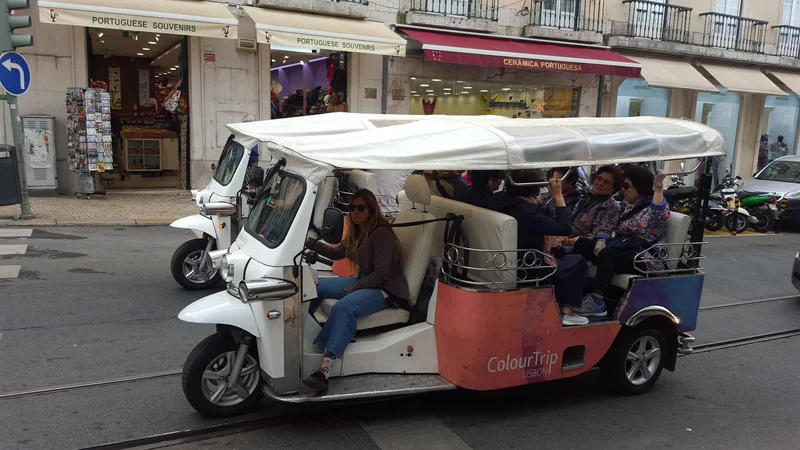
(677, 227)
(415, 243)
(485, 229)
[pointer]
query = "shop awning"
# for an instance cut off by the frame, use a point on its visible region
(740, 79)
(673, 74)
(473, 50)
(188, 18)
(791, 80)
(292, 29)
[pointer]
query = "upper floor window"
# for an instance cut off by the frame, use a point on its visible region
(730, 7)
(791, 13)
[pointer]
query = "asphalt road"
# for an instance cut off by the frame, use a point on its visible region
(97, 303)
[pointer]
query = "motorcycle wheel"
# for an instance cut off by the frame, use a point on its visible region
(765, 222)
(715, 221)
(185, 266)
(206, 373)
(736, 221)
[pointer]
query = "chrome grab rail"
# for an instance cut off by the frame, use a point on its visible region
(534, 183)
(659, 254)
(531, 269)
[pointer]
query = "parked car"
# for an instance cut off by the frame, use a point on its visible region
(781, 177)
(796, 272)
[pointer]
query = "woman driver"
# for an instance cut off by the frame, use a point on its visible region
(374, 248)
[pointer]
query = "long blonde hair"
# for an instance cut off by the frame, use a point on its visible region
(356, 238)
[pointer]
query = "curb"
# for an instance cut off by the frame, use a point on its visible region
(43, 223)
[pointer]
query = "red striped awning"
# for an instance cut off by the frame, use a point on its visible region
(514, 53)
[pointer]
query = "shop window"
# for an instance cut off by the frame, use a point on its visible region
(305, 84)
(635, 98)
(721, 112)
(457, 97)
(780, 138)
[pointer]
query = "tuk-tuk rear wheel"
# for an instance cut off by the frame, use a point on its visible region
(207, 369)
(635, 360)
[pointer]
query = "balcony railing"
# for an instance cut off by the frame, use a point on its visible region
(788, 41)
(659, 21)
(733, 32)
(470, 9)
(579, 15)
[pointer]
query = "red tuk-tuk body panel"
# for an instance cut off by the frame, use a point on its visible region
(495, 340)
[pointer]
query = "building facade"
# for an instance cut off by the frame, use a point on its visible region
(180, 70)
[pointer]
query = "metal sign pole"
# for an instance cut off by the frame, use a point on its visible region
(16, 128)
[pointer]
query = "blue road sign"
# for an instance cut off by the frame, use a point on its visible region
(15, 74)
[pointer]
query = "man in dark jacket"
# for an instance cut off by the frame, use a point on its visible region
(483, 185)
(533, 225)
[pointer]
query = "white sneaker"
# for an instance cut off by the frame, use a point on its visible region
(568, 321)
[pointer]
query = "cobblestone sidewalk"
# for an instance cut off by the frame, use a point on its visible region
(132, 209)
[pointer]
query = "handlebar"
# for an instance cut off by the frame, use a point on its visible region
(314, 257)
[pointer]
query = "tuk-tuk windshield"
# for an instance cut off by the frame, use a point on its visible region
(228, 162)
(276, 207)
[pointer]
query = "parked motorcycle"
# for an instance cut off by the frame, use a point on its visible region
(762, 207)
(735, 219)
(681, 198)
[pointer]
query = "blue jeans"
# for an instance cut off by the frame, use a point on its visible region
(342, 324)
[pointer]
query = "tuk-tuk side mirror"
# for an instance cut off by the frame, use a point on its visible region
(332, 226)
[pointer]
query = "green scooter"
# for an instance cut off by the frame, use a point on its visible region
(763, 208)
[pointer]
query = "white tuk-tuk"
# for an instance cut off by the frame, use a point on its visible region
(486, 327)
(224, 203)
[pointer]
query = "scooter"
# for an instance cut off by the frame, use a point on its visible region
(223, 209)
(762, 207)
(735, 219)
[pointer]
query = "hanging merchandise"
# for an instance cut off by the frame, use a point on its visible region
(89, 132)
(428, 106)
(115, 88)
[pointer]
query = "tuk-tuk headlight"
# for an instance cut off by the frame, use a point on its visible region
(226, 269)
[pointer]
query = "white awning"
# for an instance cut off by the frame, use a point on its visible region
(187, 18)
(673, 74)
(294, 29)
(740, 79)
(791, 80)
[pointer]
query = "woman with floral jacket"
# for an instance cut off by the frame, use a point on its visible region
(642, 223)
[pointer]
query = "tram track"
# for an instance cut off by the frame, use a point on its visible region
(698, 348)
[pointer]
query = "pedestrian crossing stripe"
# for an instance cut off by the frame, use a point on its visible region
(7, 272)
(15, 232)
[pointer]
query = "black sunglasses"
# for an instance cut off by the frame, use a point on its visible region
(626, 186)
(360, 208)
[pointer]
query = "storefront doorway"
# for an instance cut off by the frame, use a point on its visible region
(146, 76)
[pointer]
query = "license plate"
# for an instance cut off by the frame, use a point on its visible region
(773, 207)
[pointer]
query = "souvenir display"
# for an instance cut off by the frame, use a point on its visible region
(89, 130)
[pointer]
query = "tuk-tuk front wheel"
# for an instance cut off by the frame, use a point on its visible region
(207, 377)
(186, 266)
(635, 360)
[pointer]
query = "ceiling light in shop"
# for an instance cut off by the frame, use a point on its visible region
(413, 92)
(416, 95)
(102, 42)
(273, 60)
(459, 81)
(506, 89)
(413, 78)
(152, 43)
(424, 85)
(172, 68)
(430, 90)
(447, 89)
(140, 54)
(145, 49)
(436, 79)
(484, 90)
(100, 35)
(467, 87)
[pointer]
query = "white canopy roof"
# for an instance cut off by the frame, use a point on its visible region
(484, 142)
(335, 123)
